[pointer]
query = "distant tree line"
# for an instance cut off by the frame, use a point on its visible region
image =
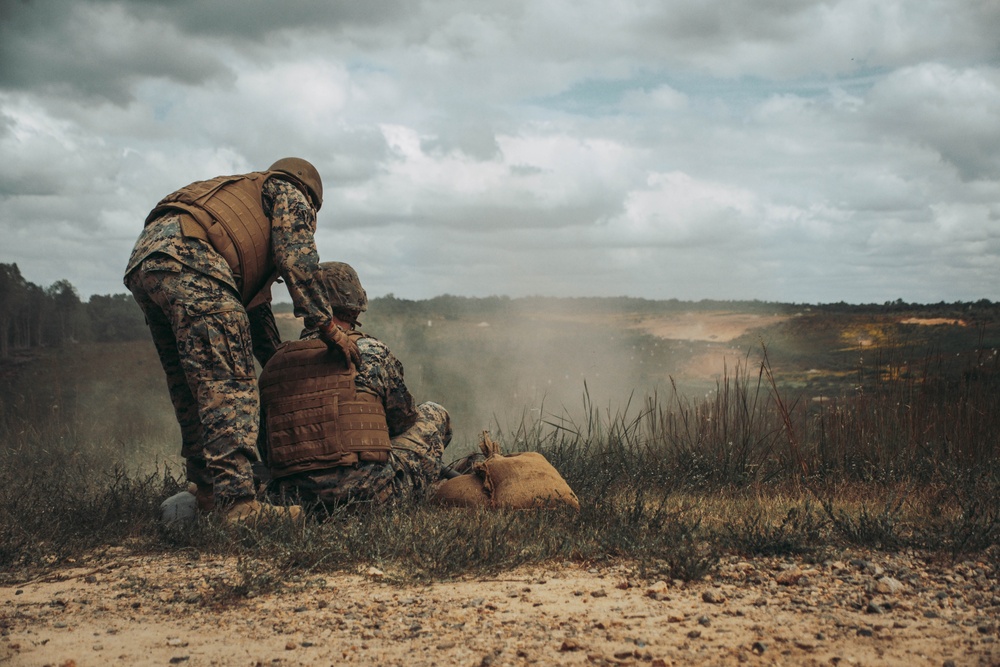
(34, 316)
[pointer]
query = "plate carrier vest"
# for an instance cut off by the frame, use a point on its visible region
(315, 417)
(227, 213)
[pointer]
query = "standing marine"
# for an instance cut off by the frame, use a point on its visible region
(202, 271)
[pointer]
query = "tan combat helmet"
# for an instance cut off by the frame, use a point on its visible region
(303, 173)
(343, 287)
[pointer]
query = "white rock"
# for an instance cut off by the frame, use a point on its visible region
(888, 585)
(179, 507)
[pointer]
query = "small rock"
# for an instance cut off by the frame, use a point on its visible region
(888, 586)
(601, 593)
(789, 577)
(658, 587)
(758, 647)
(179, 507)
(290, 646)
(713, 596)
(570, 645)
(694, 634)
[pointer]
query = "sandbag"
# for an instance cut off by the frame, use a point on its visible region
(525, 480)
(462, 491)
(519, 481)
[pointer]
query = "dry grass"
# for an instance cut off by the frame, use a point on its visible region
(669, 482)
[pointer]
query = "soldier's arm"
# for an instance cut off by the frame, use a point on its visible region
(400, 411)
(263, 332)
(382, 373)
(293, 225)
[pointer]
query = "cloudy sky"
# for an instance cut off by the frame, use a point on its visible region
(784, 150)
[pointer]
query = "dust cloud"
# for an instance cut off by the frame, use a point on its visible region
(554, 362)
(502, 368)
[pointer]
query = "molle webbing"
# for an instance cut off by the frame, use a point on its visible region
(229, 212)
(315, 417)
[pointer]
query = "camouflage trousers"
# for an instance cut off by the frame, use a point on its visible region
(202, 335)
(414, 464)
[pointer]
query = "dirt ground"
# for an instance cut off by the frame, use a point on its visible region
(717, 327)
(861, 609)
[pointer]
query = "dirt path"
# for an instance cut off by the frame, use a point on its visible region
(165, 610)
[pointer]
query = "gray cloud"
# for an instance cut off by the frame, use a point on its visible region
(92, 51)
(956, 113)
(801, 151)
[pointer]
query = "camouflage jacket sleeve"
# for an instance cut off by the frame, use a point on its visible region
(382, 374)
(293, 225)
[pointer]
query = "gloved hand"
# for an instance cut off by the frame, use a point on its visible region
(337, 339)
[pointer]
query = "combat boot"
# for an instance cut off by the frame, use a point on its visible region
(205, 496)
(253, 511)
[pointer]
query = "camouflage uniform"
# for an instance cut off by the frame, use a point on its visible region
(206, 339)
(418, 434)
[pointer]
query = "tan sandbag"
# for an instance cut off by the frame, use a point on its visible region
(519, 481)
(525, 480)
(461, 491)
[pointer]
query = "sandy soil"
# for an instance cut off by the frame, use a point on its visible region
(166, 610)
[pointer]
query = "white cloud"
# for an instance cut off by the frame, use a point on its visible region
(676, 209)
(774, 150)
